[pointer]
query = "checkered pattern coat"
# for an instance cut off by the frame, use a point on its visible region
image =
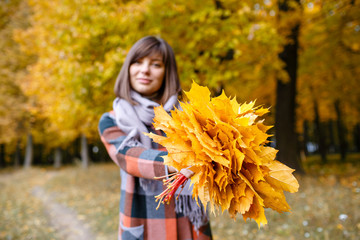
(139, 218)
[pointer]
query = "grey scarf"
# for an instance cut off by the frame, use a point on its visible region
(133, 119)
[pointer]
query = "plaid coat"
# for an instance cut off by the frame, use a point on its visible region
(139, 218)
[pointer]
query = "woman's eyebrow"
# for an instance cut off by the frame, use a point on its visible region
(156, 59)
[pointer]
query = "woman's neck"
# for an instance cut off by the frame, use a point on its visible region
(154, 97)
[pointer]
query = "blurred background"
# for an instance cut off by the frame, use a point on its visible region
(58, 65)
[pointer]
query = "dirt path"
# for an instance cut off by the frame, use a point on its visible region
(62, 218)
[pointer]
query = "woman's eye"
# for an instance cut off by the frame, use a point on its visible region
(157, 64)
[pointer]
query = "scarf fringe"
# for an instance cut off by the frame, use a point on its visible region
(194, 211)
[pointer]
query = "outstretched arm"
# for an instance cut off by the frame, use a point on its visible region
(137, 161)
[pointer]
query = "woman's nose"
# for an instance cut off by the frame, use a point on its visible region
(145, 67)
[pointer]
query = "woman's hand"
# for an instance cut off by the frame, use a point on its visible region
(186, 172)
(172, 169)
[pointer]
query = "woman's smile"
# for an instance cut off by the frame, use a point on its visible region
(144, 80)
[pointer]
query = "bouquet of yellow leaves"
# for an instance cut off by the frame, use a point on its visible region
(224, 144)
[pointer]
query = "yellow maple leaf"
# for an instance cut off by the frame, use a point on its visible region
(281, 176)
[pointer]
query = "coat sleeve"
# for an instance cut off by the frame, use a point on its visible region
(137, 161)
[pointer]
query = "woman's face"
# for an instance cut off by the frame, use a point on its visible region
(147, 74)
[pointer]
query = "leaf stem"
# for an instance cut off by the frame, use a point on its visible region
(177, 180)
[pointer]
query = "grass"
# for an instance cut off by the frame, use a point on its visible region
(94, 193)
(21, 215)
(334, 165)
(327, 205)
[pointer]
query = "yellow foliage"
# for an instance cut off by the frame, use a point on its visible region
(224, 144)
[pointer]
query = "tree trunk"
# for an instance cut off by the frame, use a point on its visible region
(341, 131)
(17, 156)
(320, 134)
(2, 155)
(286, 137)
(29, 151)
(357, 137)
(84, 152)
(57, 157)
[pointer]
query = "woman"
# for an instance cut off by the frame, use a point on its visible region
(147, 79)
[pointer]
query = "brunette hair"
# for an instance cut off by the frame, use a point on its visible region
(142, 48)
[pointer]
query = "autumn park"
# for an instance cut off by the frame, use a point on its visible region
(298, 60)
